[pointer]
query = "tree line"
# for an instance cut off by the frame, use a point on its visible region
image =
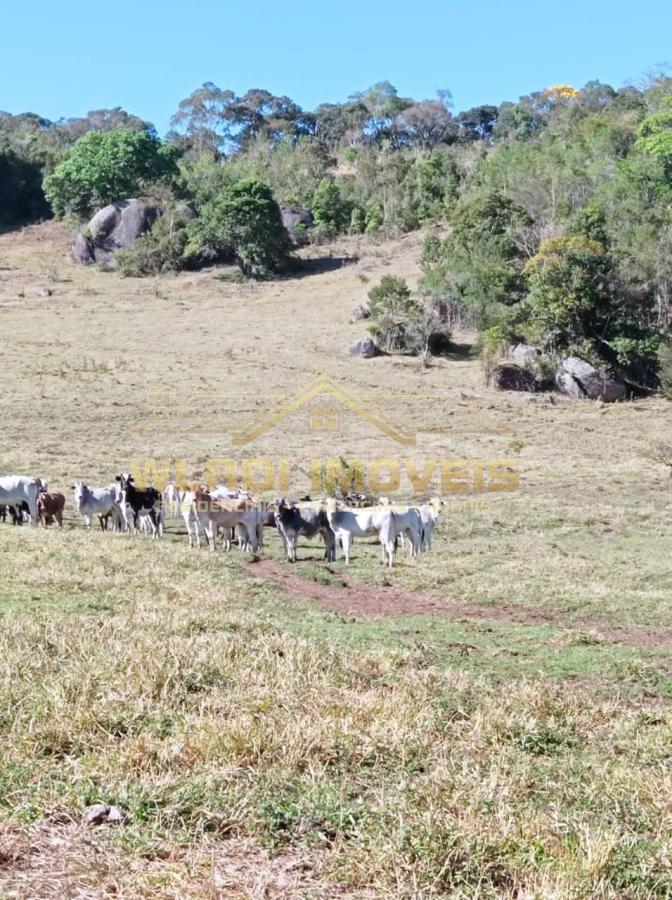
(549, 218)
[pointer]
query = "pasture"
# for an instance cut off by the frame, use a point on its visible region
(491, 719)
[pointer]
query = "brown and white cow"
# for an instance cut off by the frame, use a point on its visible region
(50, 507)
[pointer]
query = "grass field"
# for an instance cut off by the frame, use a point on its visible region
(491, 720)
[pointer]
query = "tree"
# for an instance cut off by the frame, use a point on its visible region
(654, 139)
(570, 291)
(403, 323)
(21, 197)
(104, 120)
(392, 306)
(244, 221)
(478, 267)
(384, 106)
(330, 212)
(337, 124)
(206, 118)
(478, 123)
(106, 166)
(427, 125)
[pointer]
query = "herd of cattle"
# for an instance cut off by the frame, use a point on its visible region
(121, 506)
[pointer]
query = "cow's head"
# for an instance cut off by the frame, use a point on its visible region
(125, 479)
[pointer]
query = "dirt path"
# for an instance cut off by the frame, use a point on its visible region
(363, 600)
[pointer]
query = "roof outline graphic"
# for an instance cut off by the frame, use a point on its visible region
(323, 384)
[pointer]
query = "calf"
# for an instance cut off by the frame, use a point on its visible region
(147, 502)
(50, 507)
(292, 522)
(19, 513)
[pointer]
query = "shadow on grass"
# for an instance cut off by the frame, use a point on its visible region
(302, 268)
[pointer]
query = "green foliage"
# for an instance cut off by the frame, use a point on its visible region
(569, 291)
(330, 211)
(478, 267)
(357, 220)
(243, 221)
(21, 197)
(402, 323)
(107, 166)
(576, 303)
(162, 249)
(654, 138)
(374, 217)
(392, 306)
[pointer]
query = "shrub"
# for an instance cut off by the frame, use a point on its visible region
(162, 249)
(374, 217)
(330, 211)
(107, 166)
(21, 196)
(403, 323)
(243, 220)
(357, 220)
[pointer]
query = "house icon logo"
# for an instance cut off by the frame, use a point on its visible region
(324, 399)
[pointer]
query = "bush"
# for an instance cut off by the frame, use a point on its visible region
(21, 197)
(330, 211)
(162, 249)
(374, 217)
(106, 166)
(403, 323)
(244, 221)
(357, 221)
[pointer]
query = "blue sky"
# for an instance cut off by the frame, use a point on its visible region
(63, 59)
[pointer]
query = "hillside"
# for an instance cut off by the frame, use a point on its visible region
(490, 719)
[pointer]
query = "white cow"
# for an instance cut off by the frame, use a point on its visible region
(97, 501)
(429, 515)
(17, 489)
(350, 523)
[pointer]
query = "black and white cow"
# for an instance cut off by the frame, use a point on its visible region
(292, 521)
(146, 503)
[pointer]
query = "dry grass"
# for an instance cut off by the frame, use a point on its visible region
(263, 746)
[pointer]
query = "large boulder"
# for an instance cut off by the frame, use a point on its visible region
(510, 377)
(297, 221)
(365, 348)
(115, 227)
(577, 378)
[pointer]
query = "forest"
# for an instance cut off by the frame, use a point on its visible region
(548, 220)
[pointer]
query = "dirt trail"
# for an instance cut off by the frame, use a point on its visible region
(363, 600)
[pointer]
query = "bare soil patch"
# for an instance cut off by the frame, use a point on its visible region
(367, 600)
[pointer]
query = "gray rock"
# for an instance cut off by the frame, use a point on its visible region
(360, 312)
(577, 378)
(96, 814)
(102, 813)
(117, 815)
(365, 348)
(115, 227)
(523, 353)
(43, 292)
(186, 211)
(293, 216)
(510, 377)
(82, 251)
